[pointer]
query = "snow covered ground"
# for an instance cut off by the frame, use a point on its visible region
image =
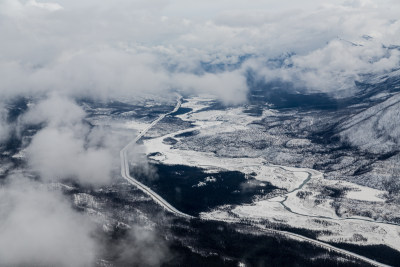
(365, 193)
(308, 200)
(348, 231)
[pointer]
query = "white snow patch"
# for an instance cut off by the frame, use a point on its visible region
(298, 143)
(364, 193)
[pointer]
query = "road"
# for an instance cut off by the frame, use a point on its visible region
(329, 247)
(125, 167)
(319, 216)
(314, 242)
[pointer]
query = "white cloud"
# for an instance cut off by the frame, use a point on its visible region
(123, 47)
(55, 111)
(57, 154)
(43, 5)
(335, 67)
(228, 86)
(39, 227)
(65, 147)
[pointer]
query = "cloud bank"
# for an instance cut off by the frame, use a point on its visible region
(130, 47)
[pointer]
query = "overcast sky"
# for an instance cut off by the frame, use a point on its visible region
(106, 47)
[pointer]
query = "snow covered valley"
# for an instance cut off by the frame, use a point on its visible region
(335, 210)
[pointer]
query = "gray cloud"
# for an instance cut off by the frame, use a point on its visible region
(128, 47)
(39, 227)
(4, 126)
(333, 68)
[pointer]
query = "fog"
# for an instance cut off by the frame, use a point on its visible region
(39, 227)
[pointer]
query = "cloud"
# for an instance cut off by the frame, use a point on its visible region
(4, 126)
(103, 50)
(56, 154)
(65, 148)
(39, 227)
(332, 69)
(140, 247)
(230, 87)
(55, 111)
(44, 5)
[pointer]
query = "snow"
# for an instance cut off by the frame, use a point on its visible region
(365, 193)
(86, 200)
(298, 143)
(314, 211)
(341, 230)
(20, 155)
(215, 122)
(276, 175)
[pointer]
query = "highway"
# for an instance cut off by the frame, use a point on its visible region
(125, 167)
(329, 247)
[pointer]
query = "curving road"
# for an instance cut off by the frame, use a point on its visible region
(319, 216)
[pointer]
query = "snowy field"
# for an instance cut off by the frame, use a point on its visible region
(307, 200)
